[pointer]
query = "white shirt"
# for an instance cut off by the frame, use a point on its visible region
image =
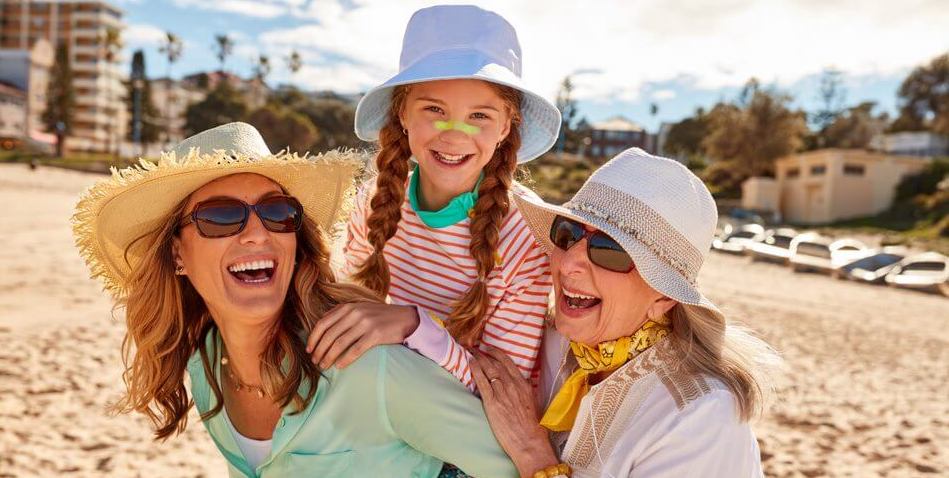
(254, 451)
(648, 420)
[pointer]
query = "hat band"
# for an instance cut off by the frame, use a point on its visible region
(635, 218)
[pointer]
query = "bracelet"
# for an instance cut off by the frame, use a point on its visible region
(554, 471)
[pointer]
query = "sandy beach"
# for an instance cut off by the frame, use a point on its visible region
(866, 393)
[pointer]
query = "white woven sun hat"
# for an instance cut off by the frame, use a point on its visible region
(655, 208)
(113, 213)
(462, 42)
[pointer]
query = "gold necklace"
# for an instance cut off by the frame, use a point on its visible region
(238, 383)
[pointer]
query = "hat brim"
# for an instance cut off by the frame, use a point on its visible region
(662, 277)
(541, 119)
(114, 213)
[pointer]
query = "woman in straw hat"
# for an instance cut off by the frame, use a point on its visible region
(218, 254)
(643, 376)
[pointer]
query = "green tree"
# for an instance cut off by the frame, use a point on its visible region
(294, 62)
(111, 43)
(924, 98)
(685, 137)
(746, 137)
(60, 99)
(283, 128)
(567, 106)
(755, 132)
(831, 95)
(223, 47)
(172, 47)
(854, 128)
(140, 91)
(223, 104)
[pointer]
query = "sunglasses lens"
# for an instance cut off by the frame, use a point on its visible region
(608, 254)
(564, 233)
(280, 214)
(220, 218)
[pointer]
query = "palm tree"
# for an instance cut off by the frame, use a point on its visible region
(262, 68)
(223, 48)
(111, 44)
(294, 62)
(172, 47)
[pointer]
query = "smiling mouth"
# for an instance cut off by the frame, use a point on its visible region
(575, 300)
(253, 272)
(451, 159)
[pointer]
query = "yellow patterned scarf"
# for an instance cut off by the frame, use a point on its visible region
(605, 357)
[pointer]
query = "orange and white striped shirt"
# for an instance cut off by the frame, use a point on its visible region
(433, 268)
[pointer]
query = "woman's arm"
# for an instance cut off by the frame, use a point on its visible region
(515, 325)
(512, 412)
(431, 411)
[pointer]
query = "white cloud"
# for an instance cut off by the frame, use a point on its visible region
(664, 94)
(623, 45)
(251, 8)
(140, 34)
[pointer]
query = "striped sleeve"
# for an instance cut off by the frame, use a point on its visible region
(519, 295)
(357, 248)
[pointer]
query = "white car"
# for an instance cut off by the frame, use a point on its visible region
(737, 239)
(927, 271)
(874, 267)
(810, 252)
(775, 246)
(846, 251)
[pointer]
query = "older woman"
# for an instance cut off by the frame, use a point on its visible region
(650, 380)
(218, 255)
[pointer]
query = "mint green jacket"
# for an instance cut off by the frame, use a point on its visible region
(392, 413)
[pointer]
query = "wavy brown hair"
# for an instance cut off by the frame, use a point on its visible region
(466, 321)
(167, 322)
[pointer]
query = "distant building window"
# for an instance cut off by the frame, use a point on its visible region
(793, 173)
(854, 169)
(818, 170)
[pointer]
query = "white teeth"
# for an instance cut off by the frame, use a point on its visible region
(450, 158)
(251, 266)
(577, 296)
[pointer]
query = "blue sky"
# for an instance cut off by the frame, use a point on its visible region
(623, 55)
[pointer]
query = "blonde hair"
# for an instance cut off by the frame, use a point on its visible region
(167, 322)
(467, 319)
(729, 352)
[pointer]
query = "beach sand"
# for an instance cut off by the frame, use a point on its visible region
(866, 392)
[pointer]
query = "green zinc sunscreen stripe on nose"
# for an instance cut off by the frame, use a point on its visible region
(458, 125)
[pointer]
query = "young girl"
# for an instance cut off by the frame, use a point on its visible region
(438, 233)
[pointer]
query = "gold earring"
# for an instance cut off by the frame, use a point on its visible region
(179, 270)
(405, 131)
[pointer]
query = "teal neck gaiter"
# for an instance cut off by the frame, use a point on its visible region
(454, 212)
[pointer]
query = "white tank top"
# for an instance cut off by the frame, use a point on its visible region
(254, 451)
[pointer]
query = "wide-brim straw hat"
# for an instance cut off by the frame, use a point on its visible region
(115, 212)
(655, 208)
(448, 42)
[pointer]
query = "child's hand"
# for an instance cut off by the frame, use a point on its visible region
(349, 330)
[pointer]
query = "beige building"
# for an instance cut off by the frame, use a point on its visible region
(172, 99)
(100, 117)
(833, 184)
(28, 71)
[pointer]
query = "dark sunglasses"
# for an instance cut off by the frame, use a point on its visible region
(602, 250)
(228, 216)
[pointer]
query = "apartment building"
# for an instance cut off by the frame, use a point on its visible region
(100, 118)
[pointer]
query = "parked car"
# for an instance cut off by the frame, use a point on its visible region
(845, 251)
(810, 252)
(874, 267)
(735, 240)
(775, 246)
(928, 271)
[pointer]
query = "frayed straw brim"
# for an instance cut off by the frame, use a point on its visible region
(115, 212)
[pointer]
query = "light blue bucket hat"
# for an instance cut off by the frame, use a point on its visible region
(448, 42)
